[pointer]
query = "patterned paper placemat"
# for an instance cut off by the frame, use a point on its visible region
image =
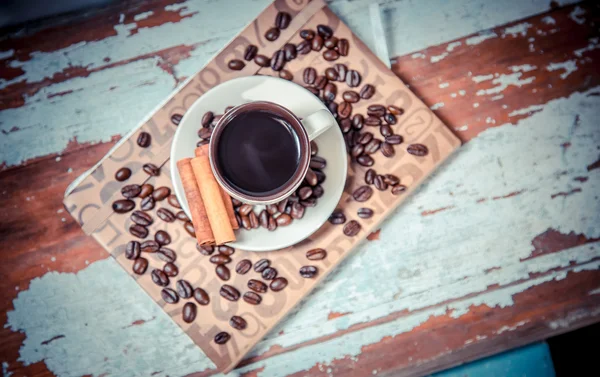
(90, 200)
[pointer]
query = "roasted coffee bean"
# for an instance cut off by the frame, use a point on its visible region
(205, 249)
(286, 75)
(216, 120)
(395, 110)
(176, 118)
(262, 61)
(165, 215)
(372, 121)
(362, 194)
(123, 205)
(272, 209)
(297, 211)
(309, 75)
(317, 162)
(349, 139)
(311, 177)
(344, 110)
(316, 254)
(332, 106)
(254, 223)
(281, 205)
(140, 265)
(170, 269)
(289, 51)
(162, 237)
(308, 272)
(132, 250)
(172, 199)
(243, 266)
(350, 96)
(144, 139)
(229, 293)
(222, 337)
(138, 231)
(283, 220)
(159, 277)
(329, 92)
(365, 160)
(352, 228)
(345, 125)
(356, 138)
(236, 64)
(304, 47)
(343, 47)
(184, 288)
(235, 202)
(282, 20)
(357, 150)
(331, 43)
(204, 133)
(272, 34)
(245, 209)
(365, 138)
(386, 130)
(320, 82)
(278, 284)
(310, 202)
(269, 273)
(222, 272)
(166, 254)
(189, 228)
(324, 31)
(372, 146)
(320, 176)
(307, 34)
(365, 213)
(342, 71)
(131, 191)
(147, 189)
(370, 176)
(252, 298)
(367, 91)
(380, 183)
(245, 222)
(391, 179)
(202, 142)
(331, 55)
(314, 91)
(272, 224)
(123, 174)
(317, 43)
(387, 150)
(151, 170)
(417, 150)
(238, 322)
(149, 246)
(394, 139)
(398, 189)
(225, 250)
(278, 60)
(305, 192)
(261, 265)
(353, 78)
(376, 110)
(357, 120)
(201, 296)
(182, 216)
(318, 191)
(189, 312)
(389, 118)
(337, 217)
(249, 53)
(331, 74)
(169, 296)
(141, 218)
(161, 193)
(220, 259)
(257, 285)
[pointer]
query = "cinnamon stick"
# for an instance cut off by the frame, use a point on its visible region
(226, 199)
(204, 234)
(213, 199)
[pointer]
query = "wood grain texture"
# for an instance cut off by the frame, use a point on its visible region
(497, 250)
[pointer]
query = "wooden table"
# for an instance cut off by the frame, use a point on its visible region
(498, 249)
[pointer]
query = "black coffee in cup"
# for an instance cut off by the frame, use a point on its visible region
(258, 152)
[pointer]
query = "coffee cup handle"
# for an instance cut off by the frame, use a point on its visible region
(317, 123)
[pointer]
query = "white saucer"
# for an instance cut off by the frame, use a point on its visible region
(302, 103)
